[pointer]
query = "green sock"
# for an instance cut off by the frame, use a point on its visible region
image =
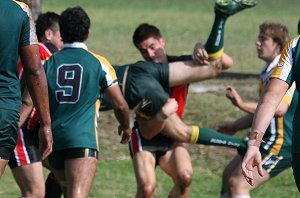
(209, 136)
(215, 42)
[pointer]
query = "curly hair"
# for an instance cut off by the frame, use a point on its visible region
(278, 32)
(74, 25)
(145, 31)
(47, 20)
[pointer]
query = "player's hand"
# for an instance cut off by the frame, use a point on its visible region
(252, 159)
(45, 141)
(233, 96)
(227, 128)
(200, 55)
(169, 108)
(125, 133)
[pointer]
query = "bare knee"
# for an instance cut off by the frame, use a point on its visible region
(38, 193)
(185, 179)
(147, 190)
(235, 186)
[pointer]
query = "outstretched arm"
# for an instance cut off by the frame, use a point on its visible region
(121, 111)
(232, 127)
(267, 105)
(37, 86)
(250, 107)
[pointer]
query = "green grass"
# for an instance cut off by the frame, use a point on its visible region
(182, 23)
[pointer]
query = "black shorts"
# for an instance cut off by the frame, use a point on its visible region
(27, 149)
(57, 158)
(147, 87)
(158, 145)
(5, 153)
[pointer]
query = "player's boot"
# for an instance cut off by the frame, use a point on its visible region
(230, 7)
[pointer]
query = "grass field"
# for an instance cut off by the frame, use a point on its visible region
(183, 22)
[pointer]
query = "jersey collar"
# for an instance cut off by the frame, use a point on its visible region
(75, 45)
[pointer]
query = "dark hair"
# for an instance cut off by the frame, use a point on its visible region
(278, 32)
(74, 25)
(48, 20)
(143, 32)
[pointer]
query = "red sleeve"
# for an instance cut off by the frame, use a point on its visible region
(44, 52)
(180, 94)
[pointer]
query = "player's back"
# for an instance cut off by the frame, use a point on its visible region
(16, 31)
(75, 78)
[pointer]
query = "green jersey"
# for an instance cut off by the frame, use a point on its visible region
(278, 136)
(288, 70)
(17, 30)
(76, 77)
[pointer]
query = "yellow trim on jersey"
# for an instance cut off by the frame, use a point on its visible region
(195, 134)
(96, 123)
(217, 54)
(280, 125)
(285, 54)
(289, 94)
(104, 62)
(23, 5)
(279, 139)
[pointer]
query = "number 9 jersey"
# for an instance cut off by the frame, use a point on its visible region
(76, 77)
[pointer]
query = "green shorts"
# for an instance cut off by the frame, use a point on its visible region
(147, 87)
(273, 164)
(57, 158)
(8, 128)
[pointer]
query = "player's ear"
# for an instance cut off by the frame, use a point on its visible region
(162, 41)
(89, 32)
(48, 34)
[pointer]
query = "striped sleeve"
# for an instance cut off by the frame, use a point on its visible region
(28, 35)
(284, 66)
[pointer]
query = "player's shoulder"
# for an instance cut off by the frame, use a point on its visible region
(23, 7)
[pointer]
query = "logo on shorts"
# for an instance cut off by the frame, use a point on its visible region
(144, 102)
(137, 109)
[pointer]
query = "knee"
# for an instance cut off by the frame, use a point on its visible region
(185, 179)
(233, 185)
(147, 190)
(38, 193)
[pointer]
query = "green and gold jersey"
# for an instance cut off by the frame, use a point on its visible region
(76, 77)
(17, 30)
(278, 136)
(288, 70)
